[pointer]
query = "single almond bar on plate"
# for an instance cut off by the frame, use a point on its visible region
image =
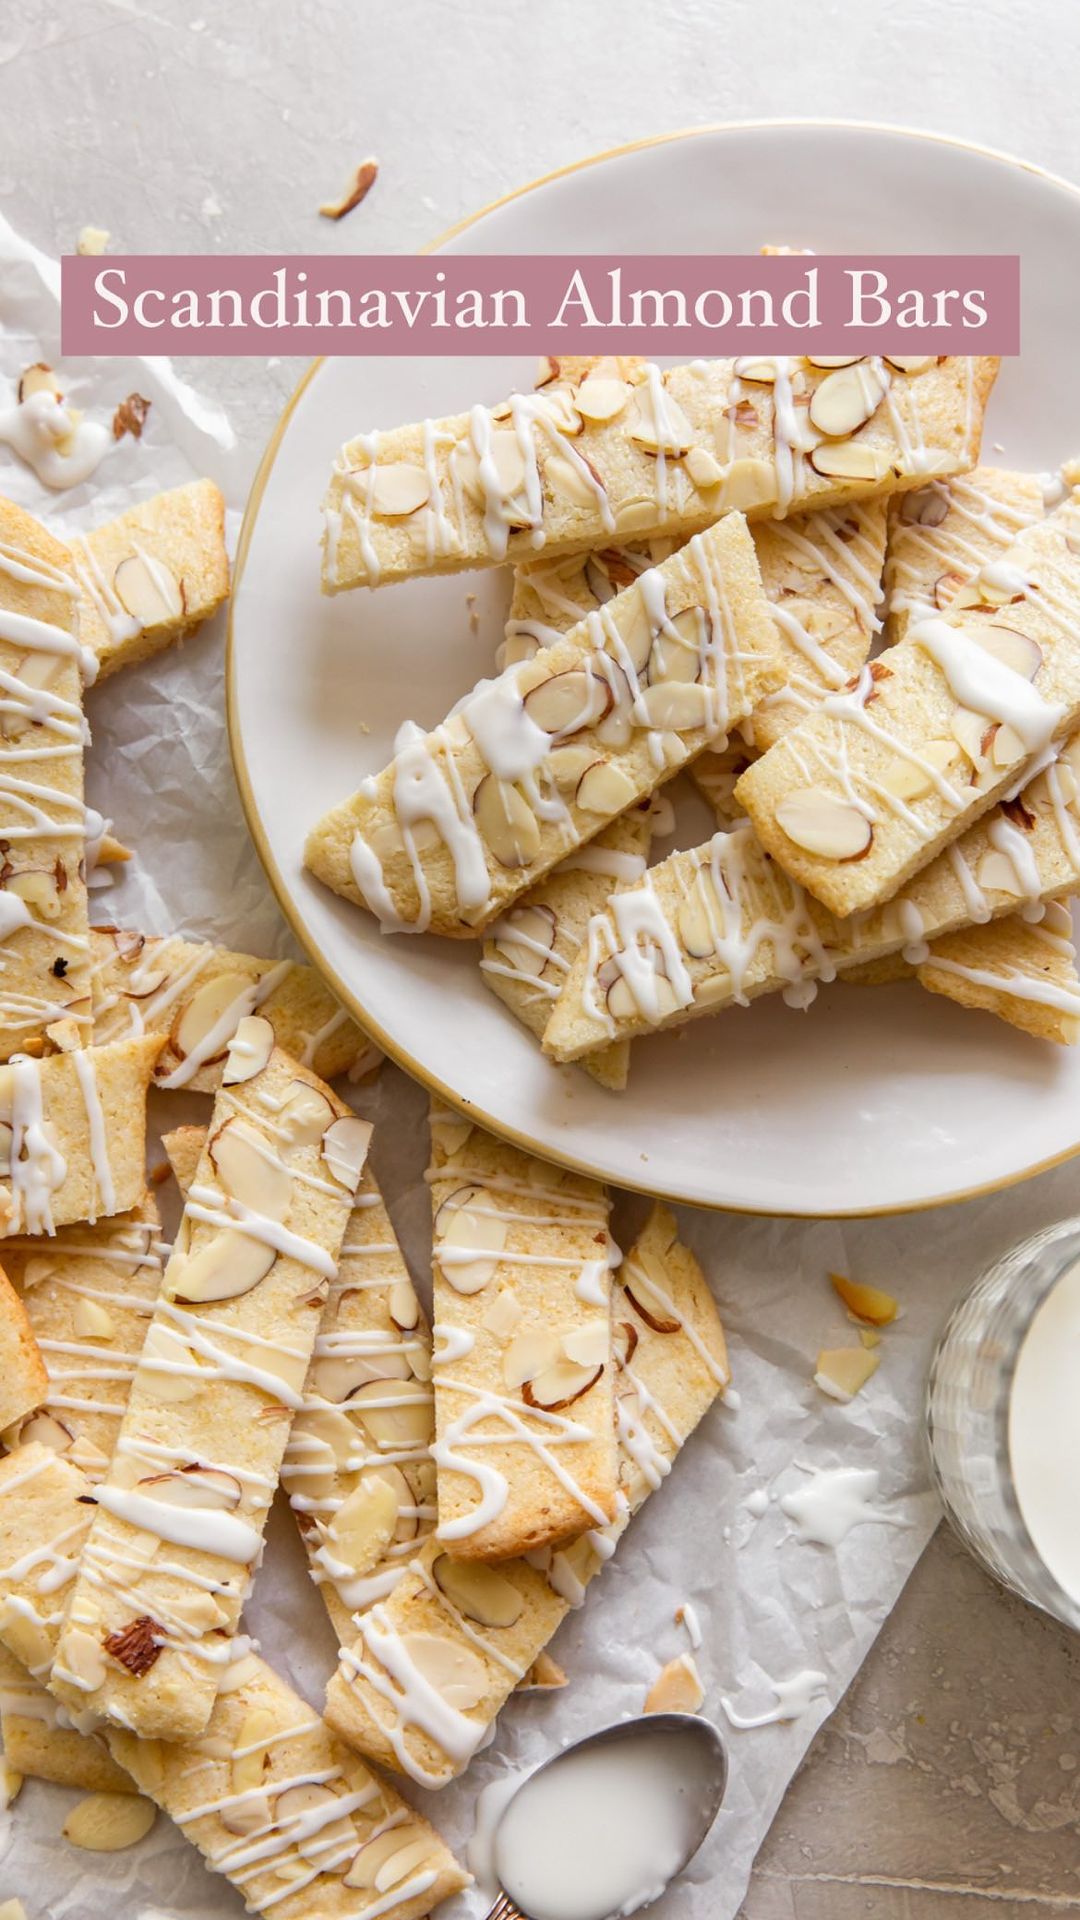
(586, 464)
(1023, 972)
(152, 575)
(721, 924)
(358, 1469)
(268, 1796)
(940, 536)
(865, 791)
(181, 1512)
(73, 1135)
(196, 994)
(467, 818)
(433, 1666)
(525, 1436)
(527, 953)
(43, 923)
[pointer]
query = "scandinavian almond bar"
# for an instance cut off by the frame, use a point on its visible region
(358, 1469)
(39, 1740)
(942, 534)
(656, 454)
(527, 953)
(1023, 972)
(867, 789)
(73, 1135)
(433, 1666)
(269, 1797)
(196, 994)
(152, 575)
(467, 818)
(722, 923)
(45, 970)
(524, 1397)
(181, 1513)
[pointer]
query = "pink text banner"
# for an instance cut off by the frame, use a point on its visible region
(685, 306)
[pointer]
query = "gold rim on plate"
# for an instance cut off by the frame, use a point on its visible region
(253, 818)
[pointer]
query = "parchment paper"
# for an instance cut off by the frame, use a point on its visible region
(769, 1605)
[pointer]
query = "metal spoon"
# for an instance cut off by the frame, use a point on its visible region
(709, 1775)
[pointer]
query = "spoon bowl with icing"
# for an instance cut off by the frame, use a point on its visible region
(601, 1829)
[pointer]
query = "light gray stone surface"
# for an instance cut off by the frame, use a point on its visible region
(948, 1783)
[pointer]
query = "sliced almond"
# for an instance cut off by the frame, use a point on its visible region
(399, 490)
(677, 1688)
(821, 824)
(663, 429)
(206, 1489)
(924, 507)
(565, 765)
(676, 705)
(969, 731)
(761, 372)
(559, 1385)
(317, 1841)
(304, 1116)
(749, 482)
(384, 1850)
(841, 1372)
(529, 1353)
(40, 889)
(590, 1344)
(251, 1754)
(646, 1285)
(481, 1593)
(249, 1050)
(248, 1171)
(544, 1676)
(403, 1305)
(455, 1672)
(705, 471)
(997, 874)
(469, 1220)
(600, 399)
(850, 460)
(400, 1866)
(30, 1640)
(1007, 747)
(634, 517)
(565, 477)
(605, 789)
(848, 398)
(345, 1148)
(865, 1302)
(910, 362)
(248, 1816)
(507, 822)
(108, 1822)
(394, 1412)
(335, 1377)
(229, 1264)
(91, 1321)
(505, 463)
(525, 939)
(624, 1339)
(204, 1011)
(364, 1525)
(623, 1004)
(699, 918)
(1007, 644)
(830, 360)
(39, 378)
(569, 702)
(503, 1316)
(36, 673)
(45, 1430)
(162, 1344)
(908, 780)
(149, 591)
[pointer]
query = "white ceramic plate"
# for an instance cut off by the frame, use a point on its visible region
(878, 1099)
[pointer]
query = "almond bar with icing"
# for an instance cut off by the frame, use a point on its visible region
(532, 764)
(941, 534)
(722, 923)
(433, 1666)
(269, 1797)
(73, 1135)
(589, 463)
(524, 1394)
(152, 575)
(867, 789)
(180, 1514)
(358, 1469)
(44, 947)
(196, 994)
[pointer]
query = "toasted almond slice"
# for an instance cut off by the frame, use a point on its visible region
(850, 460)
(481, 1593)
(345, 1146)
(251, 1753)
(669, 433)
(505, 462)
(403, 1305)
(848, 398)
(865, 1302)
(565, 765)
(164, 1345)
(605, 789)
(398, 1867)
(225, 1267)
(828, 361)
(503, 1316)
(469, 1220)
(1007, 644)
(528, 1354)
(525, 939)
(761, 372)
(699, 919)
(399, 490)
(364, 1524)
(1007, 747)
(704, 470)
(108, 1822)
(635, 516)
(205, 1488)
(304, 1116)
(148, 590)
(588, 1345)
(47, 1431)
(452, 1669)
(336, 1376)
(91, 1321)
(559, 1385)
(36, 673)
(677, 1688)
(623, 1005)
(544, 1676)
(396, 1413)
(248, 1170)
(569, 702)
(249, 1050)
(910, 362)
(749, 482)
(383, 1850)
(678, 706)
(507, 822)
(29, 1639)
(909, 780)
(997, 873)
(565, 477)
(600, 399)
(842, 1371)
(647, 1286)
(821, 824)
(313, 1840)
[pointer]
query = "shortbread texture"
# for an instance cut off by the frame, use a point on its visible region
(268, 1796)
(940, 536)
(432, 1668)
(74, 1125)
(524, 1391)
(43, 925)
(181, 1512)
(152, 575)
(720, 924)
(467, 818)
(24, 1379)
(653, 454)
(866, 790)
(196, 994)
(39, 1742)
(1024, 973)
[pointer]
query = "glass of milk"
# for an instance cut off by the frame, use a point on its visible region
(1003, 1411)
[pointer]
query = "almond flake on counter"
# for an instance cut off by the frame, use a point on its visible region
(364, 179)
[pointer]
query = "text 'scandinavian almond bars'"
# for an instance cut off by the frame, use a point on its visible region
(524, 1396)
(722, 923)
(866, 790)
(44, 957)
(182, 1509)
(432, 1667)
(269, 1797)
(537, 761)
(643, 454)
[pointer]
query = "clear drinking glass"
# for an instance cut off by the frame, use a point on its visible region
(967, 1412)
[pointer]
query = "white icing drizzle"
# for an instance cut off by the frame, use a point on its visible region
(86, 1074)
(793, 1698)
(61, 449)
(978, 680)
(37, 1167)
(833, 1501)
